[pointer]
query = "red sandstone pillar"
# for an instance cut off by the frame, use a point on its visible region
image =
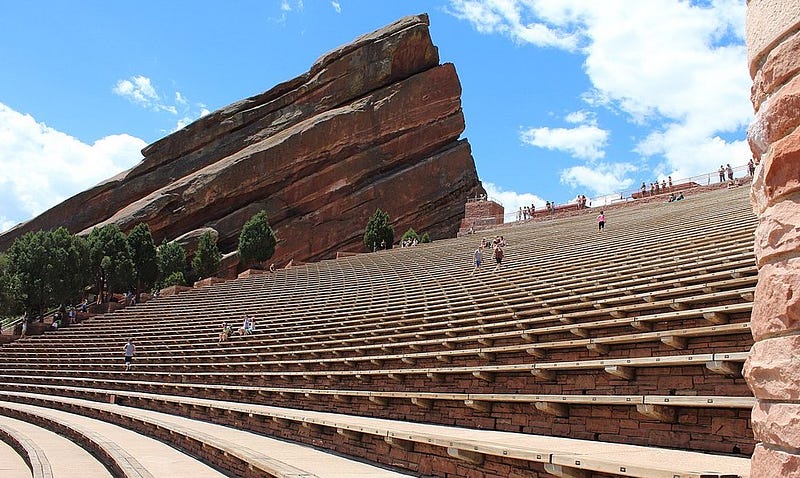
(773, 368)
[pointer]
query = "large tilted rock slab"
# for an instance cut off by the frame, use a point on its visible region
(375, 123)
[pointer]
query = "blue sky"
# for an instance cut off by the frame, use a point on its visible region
(561, 97)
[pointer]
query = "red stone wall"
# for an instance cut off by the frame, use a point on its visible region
(773, 368)
(482, 215)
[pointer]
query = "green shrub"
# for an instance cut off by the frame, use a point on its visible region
(176, 278)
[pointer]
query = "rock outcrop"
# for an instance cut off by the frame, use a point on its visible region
(771, 370)
(375, 123)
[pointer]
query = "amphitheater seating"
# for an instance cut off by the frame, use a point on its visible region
(632, 338)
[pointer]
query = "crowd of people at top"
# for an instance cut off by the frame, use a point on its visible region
(527, 212)
(725, 170)
(656, 187)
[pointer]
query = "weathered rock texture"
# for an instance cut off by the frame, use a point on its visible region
(375, 123)
(773, 367)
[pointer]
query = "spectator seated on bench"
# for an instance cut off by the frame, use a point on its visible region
(248, 326)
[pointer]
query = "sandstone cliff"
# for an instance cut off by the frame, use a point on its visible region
(375, 123)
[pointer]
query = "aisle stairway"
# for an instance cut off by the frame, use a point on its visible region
(628, 342)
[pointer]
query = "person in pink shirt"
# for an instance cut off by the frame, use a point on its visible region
(601, 221)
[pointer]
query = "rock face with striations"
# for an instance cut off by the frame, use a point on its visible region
(375, 123)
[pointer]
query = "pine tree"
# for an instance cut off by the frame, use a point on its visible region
(379, 234)
(143, 254)
(257, 240)
(207, 258)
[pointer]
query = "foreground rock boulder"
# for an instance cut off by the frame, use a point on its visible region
(375, 123)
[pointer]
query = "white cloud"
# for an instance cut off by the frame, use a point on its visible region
(190, 118)
(674, 68)
(137, 89)
(336, 6)
(511, 200)
(686, 155)
(140, 90)
(285, 9)
(583, 142)
(40, 167)
(5, 224)
(515, 20)
(599, 178)
(581, 117)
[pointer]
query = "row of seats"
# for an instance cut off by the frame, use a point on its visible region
(635, 335)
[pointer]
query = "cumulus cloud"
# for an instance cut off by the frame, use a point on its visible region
(336, 6)
(583, 142)
(599, 178)
(672, 68)
(40, 167)
(512, 200)
(137, 89)
(515, 19)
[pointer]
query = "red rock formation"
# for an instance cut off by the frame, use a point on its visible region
(772, 369)
(375, 123)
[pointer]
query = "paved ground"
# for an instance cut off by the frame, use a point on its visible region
(11, 464)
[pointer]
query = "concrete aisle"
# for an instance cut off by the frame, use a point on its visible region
(310, 460)
(65, 458)
(159, 459)
(11, 464)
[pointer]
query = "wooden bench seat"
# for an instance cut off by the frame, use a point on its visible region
(724, 363)
(256, 357)
(473, 445)
(716, 315)
(728, 363)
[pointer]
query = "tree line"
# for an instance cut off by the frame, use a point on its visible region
(45, 269)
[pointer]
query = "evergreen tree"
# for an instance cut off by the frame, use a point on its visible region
(426, 238)
(69, 262)
(257, 240)
(379, 234)
(28, 263)
(207, 258)
(48, 268)
(410, 234)
(143, 254)
(110, 259)
(171, 260)
(10, 294)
